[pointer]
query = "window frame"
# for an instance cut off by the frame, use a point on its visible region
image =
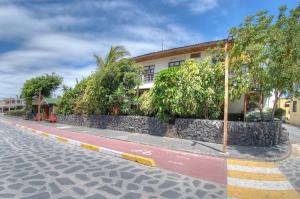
(175, 63)
(294, 108)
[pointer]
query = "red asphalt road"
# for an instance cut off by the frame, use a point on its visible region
(198, 166)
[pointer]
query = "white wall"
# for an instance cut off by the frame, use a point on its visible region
(236, 106)
(161, 64)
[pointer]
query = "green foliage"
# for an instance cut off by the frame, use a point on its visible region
(112, 88)
(70, 102)
(269, 49)
(146, 105)
(195, 89)
(46, 83)
(165, 94)
(201, 90)
(280, 113)
(18, 113)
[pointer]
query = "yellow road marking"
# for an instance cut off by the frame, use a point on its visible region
(45, 134)
(90, 147)
(251, 163)
(62, 139)
(256, 176)
(139, 159)
(248, 193)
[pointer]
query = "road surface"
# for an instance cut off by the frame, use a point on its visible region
(40, 168)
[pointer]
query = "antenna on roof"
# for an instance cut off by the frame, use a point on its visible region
(162, 40)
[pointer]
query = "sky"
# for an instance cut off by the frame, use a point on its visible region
(61, 36)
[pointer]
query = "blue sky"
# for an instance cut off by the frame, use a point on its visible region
(61, 36)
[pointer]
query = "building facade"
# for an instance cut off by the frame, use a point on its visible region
(8, 104)
(154, 62)
(295, 112)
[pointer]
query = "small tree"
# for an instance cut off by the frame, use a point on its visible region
(112, 88)
(267, 54)
(47, 84)
(71, 100)
(165, 94)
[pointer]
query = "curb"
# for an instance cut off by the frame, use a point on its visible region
(131, 157)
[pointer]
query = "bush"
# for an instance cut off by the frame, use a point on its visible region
(165, 96)
(71, 99)
(18, 113)
(146, 106)
(279, 113)
(195, 89)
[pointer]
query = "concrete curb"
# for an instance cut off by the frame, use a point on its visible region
(107, 151)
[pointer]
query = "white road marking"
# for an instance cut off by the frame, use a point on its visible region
(252, 169)
(262, 185)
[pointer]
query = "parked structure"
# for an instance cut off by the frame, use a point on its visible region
(154, 62)
(8, 104)
(48, 106)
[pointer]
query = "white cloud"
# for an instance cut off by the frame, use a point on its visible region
(54, 38)
(196, 6)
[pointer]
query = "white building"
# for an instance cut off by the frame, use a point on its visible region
(154, 62)
(8, 104)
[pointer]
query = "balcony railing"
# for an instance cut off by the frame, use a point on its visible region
(147, 78)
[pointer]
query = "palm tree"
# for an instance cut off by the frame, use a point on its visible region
(116, 53)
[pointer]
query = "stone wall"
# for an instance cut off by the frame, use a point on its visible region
(239, 133)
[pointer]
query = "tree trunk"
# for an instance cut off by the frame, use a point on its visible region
(277, 96)
(261, 107)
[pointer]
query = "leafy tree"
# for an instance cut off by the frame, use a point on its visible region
(201, 88)
(115, 54)
(195, 89)
(71, 101)
(165, 94)
(47, 84)
(266, 54)
(146, 106)
(112, 88)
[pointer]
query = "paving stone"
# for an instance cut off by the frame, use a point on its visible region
(78, 190)
(96, 196)
(43, 195)
(15, 186)
(170, 194)
(110, 190)
(73, 169)
(167, 184)
(131, 186)
(209, 186)
(7, 195)
(64, 181)
(131, 195)
(29, 190)
(127, 175)
(54, 188)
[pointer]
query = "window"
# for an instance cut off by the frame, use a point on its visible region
(195, 55)
(175, 63)
(294, 106)
(148, 73)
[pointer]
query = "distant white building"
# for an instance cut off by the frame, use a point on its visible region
(8, 104)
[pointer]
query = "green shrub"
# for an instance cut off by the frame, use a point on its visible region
(146, 106)
(18, 113)
(279, 113)
(165, 96)
(195, 89)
